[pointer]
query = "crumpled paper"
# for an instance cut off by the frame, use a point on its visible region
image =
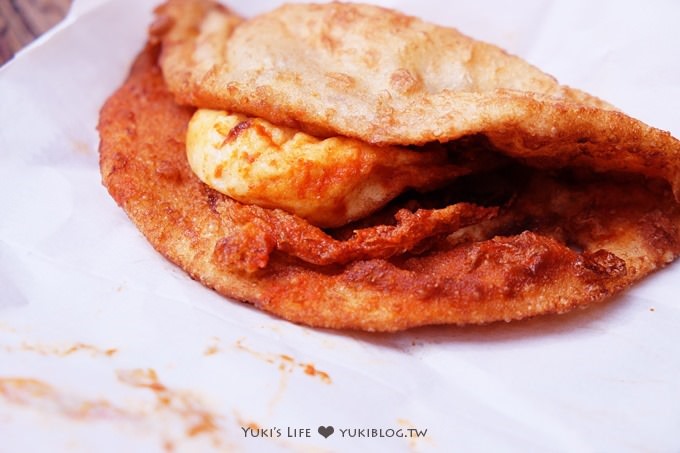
(106, 346)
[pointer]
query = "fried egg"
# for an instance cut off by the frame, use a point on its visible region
(329, 182)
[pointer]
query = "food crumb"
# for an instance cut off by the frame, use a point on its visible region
(312, 371)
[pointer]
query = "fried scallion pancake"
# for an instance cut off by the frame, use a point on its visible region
(327, 182)
(374, 74)
(505, 243)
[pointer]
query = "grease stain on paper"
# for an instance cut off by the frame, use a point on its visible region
(81, 147)
(286, 363)
(415, 442)
(63, 351)
(41, 396)
(198, 419)
(172, 408)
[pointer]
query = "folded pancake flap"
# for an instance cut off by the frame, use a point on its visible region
(376, 75)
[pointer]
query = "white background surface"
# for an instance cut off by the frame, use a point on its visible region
(88, 308)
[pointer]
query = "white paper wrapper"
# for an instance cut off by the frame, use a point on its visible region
(105, 346)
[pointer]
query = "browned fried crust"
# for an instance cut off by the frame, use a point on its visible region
(510, 266)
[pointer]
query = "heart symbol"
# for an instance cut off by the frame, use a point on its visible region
(326, 431)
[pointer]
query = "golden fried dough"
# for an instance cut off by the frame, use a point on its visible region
(546, 242)
(383, 77)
